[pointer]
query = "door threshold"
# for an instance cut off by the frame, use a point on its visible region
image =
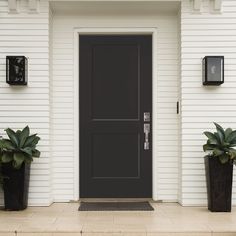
(115, 199)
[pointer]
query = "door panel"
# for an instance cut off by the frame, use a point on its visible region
(115, 91)
(109, 144)
(107, 103)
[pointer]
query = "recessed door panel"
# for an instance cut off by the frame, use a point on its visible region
(111, 148)
(116, 100)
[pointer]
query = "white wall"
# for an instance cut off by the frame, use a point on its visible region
(47, 105)
(205, 33)
(26, 34)
(165, 98)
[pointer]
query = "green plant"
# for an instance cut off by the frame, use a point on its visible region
(19, 148)
(220, 144)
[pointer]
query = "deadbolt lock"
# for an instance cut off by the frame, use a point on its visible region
(146, 117)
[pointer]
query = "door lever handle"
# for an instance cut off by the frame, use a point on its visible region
(146, 128)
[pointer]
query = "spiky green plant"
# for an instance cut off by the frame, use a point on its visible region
(220, 144)
(19, 148)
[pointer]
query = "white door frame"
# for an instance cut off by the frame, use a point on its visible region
(97, 30)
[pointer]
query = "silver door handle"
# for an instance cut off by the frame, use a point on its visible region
(146, 129)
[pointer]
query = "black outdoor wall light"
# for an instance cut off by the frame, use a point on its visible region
(16, 70)
(213, 70)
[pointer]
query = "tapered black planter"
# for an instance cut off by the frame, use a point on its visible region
(16, 186)
(219, 184)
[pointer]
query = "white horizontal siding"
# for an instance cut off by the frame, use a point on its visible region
(27, 34)
(166, 95)
(204, 34)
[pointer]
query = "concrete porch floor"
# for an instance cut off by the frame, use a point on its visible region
(64, 219)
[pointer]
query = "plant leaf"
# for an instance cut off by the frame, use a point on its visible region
(35, 141)
(19, 158)
(220, 132)
(219, 128)
(218, 137)
(232, 153)
(233, 141)
(27, 150)
(228, 131)
(36, 153)
(6, 157)
(224, 158)
(24, 135)
(18, 132)
(208, 147)
(211, 137)
(231, 137)
(7, 144)
(12, 136)
(29, 140)
(217, 152)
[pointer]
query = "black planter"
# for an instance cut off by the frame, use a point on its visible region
(219, 184)
(16, 187)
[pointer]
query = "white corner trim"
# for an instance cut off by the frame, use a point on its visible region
(76, 115)
(13, 6)
(85, 30)
(217, 5)
(33, 5)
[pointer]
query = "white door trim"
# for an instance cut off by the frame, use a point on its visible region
(134, 30)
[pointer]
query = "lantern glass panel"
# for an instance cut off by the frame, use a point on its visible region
(16, 67)
(214, 69)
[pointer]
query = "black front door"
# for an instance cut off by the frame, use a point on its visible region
(115, 74)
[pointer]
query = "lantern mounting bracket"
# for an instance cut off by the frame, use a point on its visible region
(216, 5)
(33, 6)
(12, 6)
(197, 5)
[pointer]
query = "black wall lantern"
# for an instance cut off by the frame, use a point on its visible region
(16, 70)
(213, 70)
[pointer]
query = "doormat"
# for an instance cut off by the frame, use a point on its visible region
(115, 206)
